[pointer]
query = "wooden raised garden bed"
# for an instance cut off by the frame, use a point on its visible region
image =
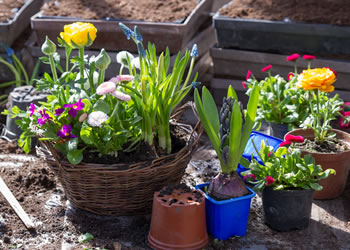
(9, 31)
(165, 34)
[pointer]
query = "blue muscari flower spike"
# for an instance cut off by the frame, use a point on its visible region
(137, 34)
(194, 51)
(9, 52)
(196, 84)
(141, 50)
(128, 32)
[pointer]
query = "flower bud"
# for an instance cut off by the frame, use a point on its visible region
(82, 117)
(102, 60)
(194, 51)
(48, 47)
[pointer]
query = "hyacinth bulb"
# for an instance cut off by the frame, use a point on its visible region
(226, 186)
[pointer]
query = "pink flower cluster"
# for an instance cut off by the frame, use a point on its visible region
(289, 139)
(109, 87)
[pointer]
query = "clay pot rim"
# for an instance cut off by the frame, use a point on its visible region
(337, 131)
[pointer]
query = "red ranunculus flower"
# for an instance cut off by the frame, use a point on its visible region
(269, 180)
(293, 138)
(267, 68)
(293, 57)
(309, 57)
(248, 75)
(285, 143)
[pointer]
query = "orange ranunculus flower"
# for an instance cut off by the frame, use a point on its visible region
(319, 78)
(77, 34)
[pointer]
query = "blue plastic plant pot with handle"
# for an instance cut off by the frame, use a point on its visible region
(228, 217)
(249, 149)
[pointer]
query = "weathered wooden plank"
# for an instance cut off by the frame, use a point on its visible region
(232, 63)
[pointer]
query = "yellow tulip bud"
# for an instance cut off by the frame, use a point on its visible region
(79, 34)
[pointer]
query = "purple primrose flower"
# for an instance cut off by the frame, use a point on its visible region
(31, 109)
(65, 132)
(59, 111)
(74, 108)
(44, 117)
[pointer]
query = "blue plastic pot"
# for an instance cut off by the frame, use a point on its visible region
(227, 218)
(257, 137)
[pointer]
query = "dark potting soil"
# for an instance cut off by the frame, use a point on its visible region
(146, 10)
(8, 9)
(179, 189)
(143, 152)
(328, 146)
(308, 11)
(10, 147)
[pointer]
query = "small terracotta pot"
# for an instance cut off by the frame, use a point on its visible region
(178, 221)
(334, 185)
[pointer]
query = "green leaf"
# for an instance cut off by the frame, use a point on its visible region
(101, 105)
(232, 93)
(86, 134)
(85, 238)
(244, 162)
(316, 186)
(76, 156)
(25, 142)
(211, 110)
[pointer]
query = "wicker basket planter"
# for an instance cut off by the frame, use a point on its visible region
(172, 35)
(120, 189)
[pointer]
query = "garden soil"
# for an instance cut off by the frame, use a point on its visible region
(147, 10)
(59, 225)
(309, 11)
(8, 9)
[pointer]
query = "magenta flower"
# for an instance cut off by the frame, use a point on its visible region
(341, 120)
(74, 108)
(252, 176)
(285, 143)
(44, 117)
(65, 132)
(290, 76)
(248, 75)
(269, 180)
(293, 57)
(106, 88)
(31, 109)
(244, 85)
(269, 154)
(309, 57)
(59, 111)
(267, 68)
(293, 138)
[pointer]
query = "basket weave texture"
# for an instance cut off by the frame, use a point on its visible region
(120, 189)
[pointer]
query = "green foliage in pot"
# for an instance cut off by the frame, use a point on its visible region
(285, 168)
(229, 133)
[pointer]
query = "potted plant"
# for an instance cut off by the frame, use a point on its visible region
(329, 147)
(178, 219)
(100, 134)
(227, 197)
(287, 181)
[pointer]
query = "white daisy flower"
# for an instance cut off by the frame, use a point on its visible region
(95, 119)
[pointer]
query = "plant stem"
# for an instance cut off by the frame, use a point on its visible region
(53, 68)
(81, 56)
(318, 116)
(101, 77)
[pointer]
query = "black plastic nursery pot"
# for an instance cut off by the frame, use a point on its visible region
(281, 37)
(286, 210)
(278, 130)
(21, 97)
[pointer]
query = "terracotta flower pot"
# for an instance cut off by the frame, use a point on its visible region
(178, 220)
(334, 185)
